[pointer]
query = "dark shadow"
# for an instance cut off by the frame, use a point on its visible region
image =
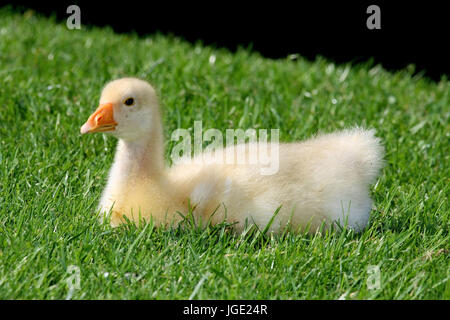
(409, 34)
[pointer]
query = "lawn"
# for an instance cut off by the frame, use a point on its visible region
(51, 177)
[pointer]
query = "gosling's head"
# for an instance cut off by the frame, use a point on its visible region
(127, 110)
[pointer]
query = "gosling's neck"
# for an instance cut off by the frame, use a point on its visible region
(138, 183)
(140, 159)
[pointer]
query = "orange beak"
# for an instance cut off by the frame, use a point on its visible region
(102, 120)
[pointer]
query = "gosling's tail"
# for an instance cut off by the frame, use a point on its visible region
(364, 151)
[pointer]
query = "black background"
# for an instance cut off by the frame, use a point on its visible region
(411, 32)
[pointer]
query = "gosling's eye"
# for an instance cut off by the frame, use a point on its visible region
(129, 102)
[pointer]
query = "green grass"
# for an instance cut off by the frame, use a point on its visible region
(51, 177)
